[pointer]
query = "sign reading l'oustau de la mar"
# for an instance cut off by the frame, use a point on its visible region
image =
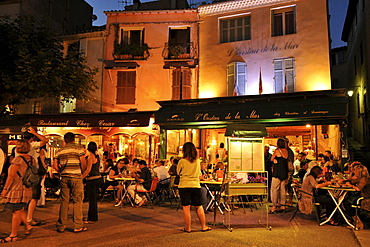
(252, 111)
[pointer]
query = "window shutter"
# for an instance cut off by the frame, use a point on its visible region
(186, 84)
(241, 75)
(278, 74)
(289, 74)
(230, 79)
(176, 84)
(126, 87)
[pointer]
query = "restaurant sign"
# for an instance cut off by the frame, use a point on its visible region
(139, 119)
(296, 109)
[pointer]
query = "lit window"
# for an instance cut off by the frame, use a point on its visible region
(36, 107)
(236, 78)
(283, 21)
(67, 105)
(235, 29)
(126, 87)
(284, 75)
(181, 84)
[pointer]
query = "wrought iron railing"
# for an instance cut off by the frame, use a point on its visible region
(179, 51)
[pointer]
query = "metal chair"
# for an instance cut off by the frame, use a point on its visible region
(298, 194)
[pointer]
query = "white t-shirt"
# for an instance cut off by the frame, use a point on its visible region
(162, 173)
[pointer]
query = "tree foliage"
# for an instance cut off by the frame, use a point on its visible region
(33, 64)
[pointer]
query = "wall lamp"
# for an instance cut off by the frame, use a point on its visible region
(350, 92)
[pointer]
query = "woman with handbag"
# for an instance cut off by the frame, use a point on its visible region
(279, 177)
(15, 194)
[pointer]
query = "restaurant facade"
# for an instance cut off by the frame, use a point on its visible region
(264, 62)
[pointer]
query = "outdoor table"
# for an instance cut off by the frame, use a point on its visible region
(213, 199)
(213, 196)
(338, 194)
(125, 193)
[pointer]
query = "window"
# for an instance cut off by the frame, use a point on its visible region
(126, 87)
(283, 21)
(36, 107)
(284, 75)
(235, 29)
(338, 58)
(236, 78)
(67, 105)
(178, 41)
(131, 36)
(181, 84)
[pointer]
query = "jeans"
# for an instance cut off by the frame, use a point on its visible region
(92, 188)
(71, 189)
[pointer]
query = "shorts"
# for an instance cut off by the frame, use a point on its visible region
(15, 206)
(190, 196)
(36, 191)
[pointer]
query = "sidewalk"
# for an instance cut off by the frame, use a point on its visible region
(161, 226)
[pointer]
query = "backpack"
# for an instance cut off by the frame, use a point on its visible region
(31, 176)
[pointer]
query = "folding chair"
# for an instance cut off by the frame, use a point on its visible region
(298, 193)
(149, 194)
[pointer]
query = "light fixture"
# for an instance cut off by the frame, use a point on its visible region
(350, 93)
(308, 125)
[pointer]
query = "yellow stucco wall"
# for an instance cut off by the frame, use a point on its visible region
(309, 46)
(153, 82)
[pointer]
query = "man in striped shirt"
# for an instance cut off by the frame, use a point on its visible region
(70, 162)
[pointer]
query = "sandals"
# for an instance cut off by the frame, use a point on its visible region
(28, 231)
(8, 239)
(273, 210)
(78, 230)
(207, 229)
(89, 222)
(184, 230)
(333, 222)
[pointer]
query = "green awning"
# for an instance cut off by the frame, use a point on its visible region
(315, 107)
(246, 130)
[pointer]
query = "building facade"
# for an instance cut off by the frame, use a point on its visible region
(260, 62)
(356, 31)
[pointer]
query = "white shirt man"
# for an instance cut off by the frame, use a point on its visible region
(162, 173)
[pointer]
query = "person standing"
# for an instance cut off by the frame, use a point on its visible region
(268, 169)
(32, 137)
(93, 182)
(221, 153)
(279, 177)
(15, 194)
(189, 186)
(70, 162)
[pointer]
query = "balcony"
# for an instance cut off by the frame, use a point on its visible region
(131, 52)
(185, 51)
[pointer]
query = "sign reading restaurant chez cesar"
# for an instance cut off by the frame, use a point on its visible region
(97, 120)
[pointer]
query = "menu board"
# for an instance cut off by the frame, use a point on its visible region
(246, 154)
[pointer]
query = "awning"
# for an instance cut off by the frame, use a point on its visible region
(246, 130)
(116, 119)
(14, 124)
(315, 107)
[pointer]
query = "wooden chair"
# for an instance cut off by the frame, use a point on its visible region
(149, 194)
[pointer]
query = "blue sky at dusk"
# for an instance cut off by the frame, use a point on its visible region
(337, 10)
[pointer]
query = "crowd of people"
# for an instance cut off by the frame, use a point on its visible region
(88, 173)
(311, 174)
